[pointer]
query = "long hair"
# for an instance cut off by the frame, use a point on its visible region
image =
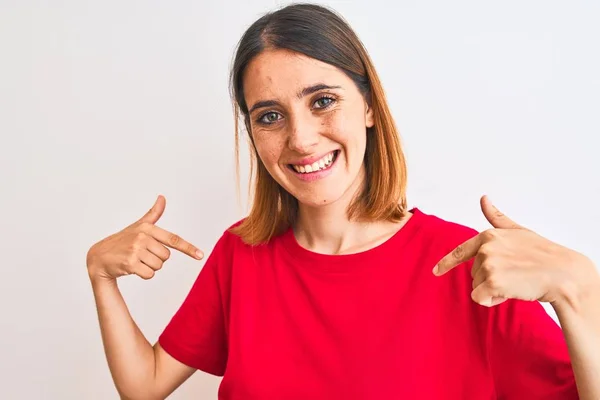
(322, 34)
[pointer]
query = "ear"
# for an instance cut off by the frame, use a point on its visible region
(369, 117)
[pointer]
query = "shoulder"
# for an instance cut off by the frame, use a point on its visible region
(442, 230)
(231, 242)
(435, 223)
(222, 255)
(437, 236)
(228, 239)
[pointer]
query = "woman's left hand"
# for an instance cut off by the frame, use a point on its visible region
(512, 262)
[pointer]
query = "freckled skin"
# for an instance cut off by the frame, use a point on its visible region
(303, 127)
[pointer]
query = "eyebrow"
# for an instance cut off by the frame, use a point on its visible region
(302, 93)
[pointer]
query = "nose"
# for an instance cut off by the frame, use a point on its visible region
(303, 135)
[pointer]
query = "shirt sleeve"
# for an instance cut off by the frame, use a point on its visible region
(196, 335)
(528, 353)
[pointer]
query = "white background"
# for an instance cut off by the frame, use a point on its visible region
(106, 104)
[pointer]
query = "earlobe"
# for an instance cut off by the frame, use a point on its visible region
(369, 119)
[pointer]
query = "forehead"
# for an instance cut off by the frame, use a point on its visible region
(279, 73)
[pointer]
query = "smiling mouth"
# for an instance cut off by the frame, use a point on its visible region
(320, 165)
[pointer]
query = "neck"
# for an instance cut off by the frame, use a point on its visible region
(327, 229)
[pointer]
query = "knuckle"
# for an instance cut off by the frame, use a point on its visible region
(134, 248)
(458, 252)
(488, 268)
(190, 249)
(131, 260)
(140, 236)
(139, 242)
(174, 239)
(493, 282)
(484, 250)
(489, 234)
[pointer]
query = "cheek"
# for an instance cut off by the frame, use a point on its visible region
(268, 149)
(345, 128)
(334, 125)
(333, 121)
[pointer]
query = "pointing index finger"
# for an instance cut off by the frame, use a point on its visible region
(462, 253)
(175, 241)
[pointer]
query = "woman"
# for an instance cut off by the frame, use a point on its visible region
(326, 290)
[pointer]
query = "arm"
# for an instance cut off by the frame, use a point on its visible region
(578, 310)
(512, 262)
(139, 370)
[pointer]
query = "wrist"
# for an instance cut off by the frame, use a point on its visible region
(576, 287)
(97, 277)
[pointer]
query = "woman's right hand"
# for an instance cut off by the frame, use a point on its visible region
(140, 249)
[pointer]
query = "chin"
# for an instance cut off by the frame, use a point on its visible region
(318, 200)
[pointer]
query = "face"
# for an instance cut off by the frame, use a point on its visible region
(308, 121)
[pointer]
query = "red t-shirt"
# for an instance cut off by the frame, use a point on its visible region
(278, 321)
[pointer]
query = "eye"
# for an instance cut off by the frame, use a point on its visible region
(324, 102)
(269, 118)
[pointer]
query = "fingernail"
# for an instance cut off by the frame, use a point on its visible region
(436, 270)
(199, 254)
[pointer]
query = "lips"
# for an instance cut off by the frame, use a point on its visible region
(318, 165)
(324, 167)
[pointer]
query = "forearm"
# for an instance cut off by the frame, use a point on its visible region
(579, 315)
(129, 355)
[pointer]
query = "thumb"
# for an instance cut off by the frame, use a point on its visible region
(154, 214)
(495, 216)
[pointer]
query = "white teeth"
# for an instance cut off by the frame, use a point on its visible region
(316, 166)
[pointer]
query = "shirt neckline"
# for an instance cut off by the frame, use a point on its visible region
(313, 259)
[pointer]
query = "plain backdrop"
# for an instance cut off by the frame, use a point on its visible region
(106, 104)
